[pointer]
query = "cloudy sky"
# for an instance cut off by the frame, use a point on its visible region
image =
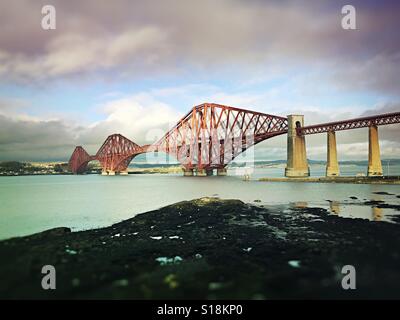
(135, 67)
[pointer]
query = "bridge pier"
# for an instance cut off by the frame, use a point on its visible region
(188, 172)
(201, 173)
(332, 165)
(124, 172)
(221, 172)
(297, 164)
(204, 172)
(109, 173)
(374, 154)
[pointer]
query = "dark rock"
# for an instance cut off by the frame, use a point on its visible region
(389, 206)
(55, 232)
(373, 202)
(383, 193)
(221, 232)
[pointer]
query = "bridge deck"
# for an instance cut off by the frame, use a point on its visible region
(378, 120)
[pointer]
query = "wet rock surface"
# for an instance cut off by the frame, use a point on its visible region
(383, 193)
(209, 248)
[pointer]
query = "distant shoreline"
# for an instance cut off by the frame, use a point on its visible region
(355, 180)
(15, 168)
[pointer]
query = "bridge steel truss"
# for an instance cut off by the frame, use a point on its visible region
(117, 152)
(212, 135)
(79, 160)
(208, 137)
(378, 120)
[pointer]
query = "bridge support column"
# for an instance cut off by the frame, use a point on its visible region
(204, 172)
(297, 165)
(374, 154)
(332, 165)
(221, 172)
(111, 173)
(104, 173)
(188, 172)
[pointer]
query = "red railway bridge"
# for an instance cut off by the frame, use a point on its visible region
(210, 136)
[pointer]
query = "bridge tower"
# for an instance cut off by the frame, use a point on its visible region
(297, 164)
(374, 154)
(332, 165)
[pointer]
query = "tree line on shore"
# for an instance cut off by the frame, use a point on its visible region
(26, 167)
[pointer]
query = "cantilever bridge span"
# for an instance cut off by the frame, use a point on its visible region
(212, 135)
(206, 138)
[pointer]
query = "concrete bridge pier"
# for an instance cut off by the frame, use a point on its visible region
(221, 172)
(204, 172)
(188, 172)
(108, 173)
(374, 154)
(297, 164)
(332, 165)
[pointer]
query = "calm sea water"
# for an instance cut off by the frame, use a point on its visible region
(30, 204)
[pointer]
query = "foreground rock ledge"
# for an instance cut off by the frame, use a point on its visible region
(209, 248)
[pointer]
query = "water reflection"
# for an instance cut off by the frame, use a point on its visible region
(377, 197)
(377, 213)
(335, 207)
(352, 210)
(362, 211)
(299, 204)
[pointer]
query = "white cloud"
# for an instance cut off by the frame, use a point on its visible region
(72, 53)
(133, 117)
(139, 39)
(141, 118)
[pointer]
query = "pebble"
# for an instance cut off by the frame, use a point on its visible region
(294, 263)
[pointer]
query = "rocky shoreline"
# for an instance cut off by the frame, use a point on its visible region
(209, 249)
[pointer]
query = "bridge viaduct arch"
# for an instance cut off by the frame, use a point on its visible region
(297, 165)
